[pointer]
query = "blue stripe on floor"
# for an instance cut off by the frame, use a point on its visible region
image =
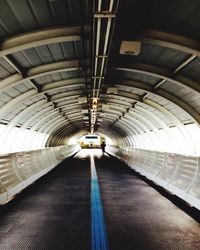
(98, 231)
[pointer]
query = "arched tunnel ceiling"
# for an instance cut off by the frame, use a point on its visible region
(46, 67)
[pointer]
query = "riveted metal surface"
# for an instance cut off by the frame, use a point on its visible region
(53, 214)
(137, 216)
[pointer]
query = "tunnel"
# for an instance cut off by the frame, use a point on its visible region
(125, 73)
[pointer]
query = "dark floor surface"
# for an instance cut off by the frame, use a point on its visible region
(54, 213)
(137, 216)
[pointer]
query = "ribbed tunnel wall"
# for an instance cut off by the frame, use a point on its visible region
(179, 174)
(51, 57)
(19, 170)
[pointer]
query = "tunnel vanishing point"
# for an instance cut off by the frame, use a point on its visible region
(127, 71)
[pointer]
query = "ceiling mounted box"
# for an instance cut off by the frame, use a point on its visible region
(82, 100)
(130, 48)
(112, 90)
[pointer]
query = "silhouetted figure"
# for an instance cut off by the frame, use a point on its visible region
(103, 145)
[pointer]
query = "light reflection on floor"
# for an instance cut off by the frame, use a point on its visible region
(85, 153)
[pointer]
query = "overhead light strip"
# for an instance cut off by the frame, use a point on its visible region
(100, 57)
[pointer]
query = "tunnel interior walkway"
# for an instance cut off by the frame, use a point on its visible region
(54, 213)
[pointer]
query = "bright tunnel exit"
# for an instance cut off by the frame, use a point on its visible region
(89, 140)
(93, 141)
